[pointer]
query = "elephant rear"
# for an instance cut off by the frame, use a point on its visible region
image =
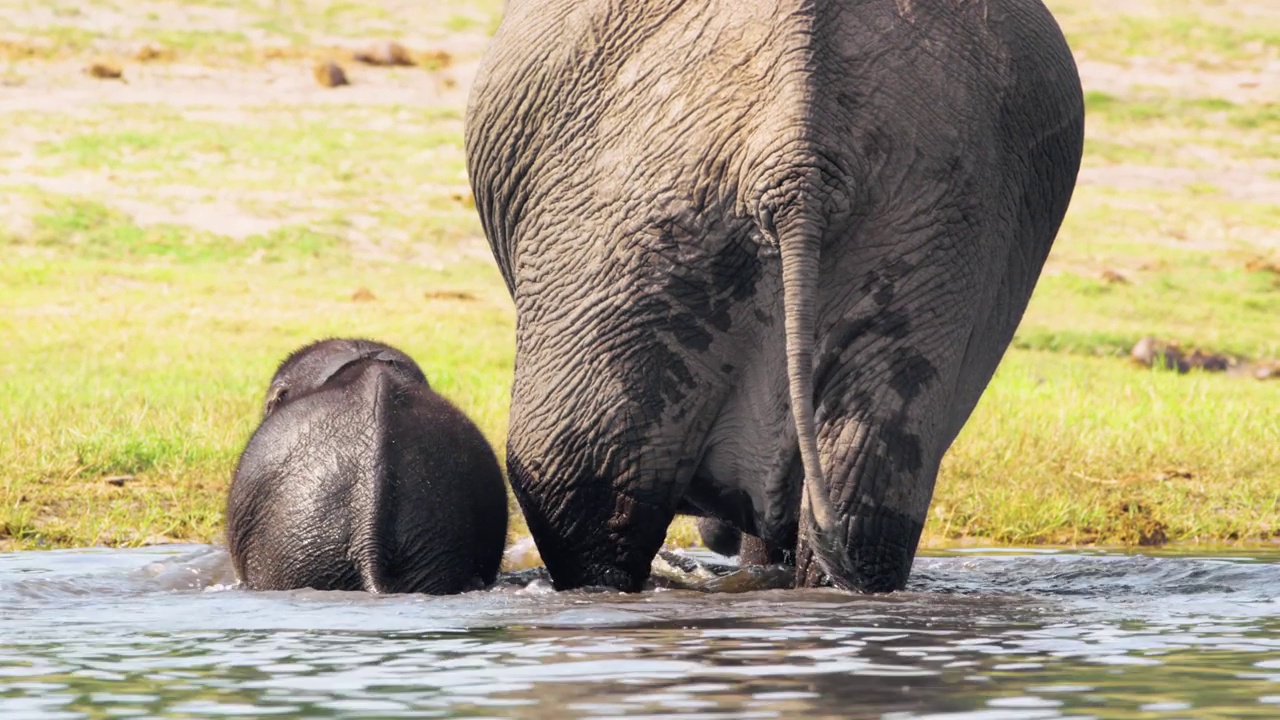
(765, 256)
(371, 482)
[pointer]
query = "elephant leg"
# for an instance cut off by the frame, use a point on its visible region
(599, 484)
(881, 473)
(761, 552)
(898, 375)
(719, 537)
(889, 357)
(607, 536)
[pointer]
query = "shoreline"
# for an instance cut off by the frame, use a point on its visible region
(171, 234)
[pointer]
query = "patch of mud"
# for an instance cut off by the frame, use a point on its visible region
(1243, 182)
(1184, 80)
(217, 213)
(64, 87)
(1153, 352)
(106, 20)
(221, 216)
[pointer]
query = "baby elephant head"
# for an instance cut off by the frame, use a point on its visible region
(310, 367)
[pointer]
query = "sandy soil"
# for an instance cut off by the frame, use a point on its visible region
(232, 91)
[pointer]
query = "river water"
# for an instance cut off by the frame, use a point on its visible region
(160, 632)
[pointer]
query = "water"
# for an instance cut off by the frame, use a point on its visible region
(157, 632)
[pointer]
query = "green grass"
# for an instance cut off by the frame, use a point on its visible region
(138, 344)
(154, 367)
(1195, 112)
(1196, 301)
(89, 229)
(297, 24)
(1210, 34)
(1067, 449)
(1156, 128)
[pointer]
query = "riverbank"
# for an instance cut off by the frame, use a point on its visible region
(169, 235)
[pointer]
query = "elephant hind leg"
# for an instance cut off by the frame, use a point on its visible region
(724, 539)
(885, 383)
(756, 551)
(719, 537)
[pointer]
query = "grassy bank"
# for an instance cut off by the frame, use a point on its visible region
(168, 239)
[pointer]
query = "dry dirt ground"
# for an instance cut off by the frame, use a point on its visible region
(259, 73)
(39, 78)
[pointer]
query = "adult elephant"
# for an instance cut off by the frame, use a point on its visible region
(765, 257)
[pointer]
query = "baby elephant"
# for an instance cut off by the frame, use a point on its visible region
(360, 477)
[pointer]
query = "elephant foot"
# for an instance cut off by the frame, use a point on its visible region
(604, 577)
(808, 572)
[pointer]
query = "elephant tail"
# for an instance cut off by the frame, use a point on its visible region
(799, 244)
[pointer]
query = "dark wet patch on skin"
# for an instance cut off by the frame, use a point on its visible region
(911, 373)
(889, 324)
(909, 370)
(886, 322)
(684, 297)
(887, 275)
(689, 332)
(884, 295)
(703, 292)
(902, 446)
(655, 378)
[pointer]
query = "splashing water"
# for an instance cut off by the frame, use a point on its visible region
(1016, 634)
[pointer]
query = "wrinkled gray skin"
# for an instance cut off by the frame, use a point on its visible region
(765, 257)
(360, 477)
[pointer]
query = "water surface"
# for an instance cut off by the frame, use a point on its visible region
(160, 632)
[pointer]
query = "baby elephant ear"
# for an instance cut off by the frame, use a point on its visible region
(277, 396)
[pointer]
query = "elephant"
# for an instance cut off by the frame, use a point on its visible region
(361, 477)
(719, 537)
(765, 257)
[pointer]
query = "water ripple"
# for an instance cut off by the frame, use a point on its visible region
(162, 632)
